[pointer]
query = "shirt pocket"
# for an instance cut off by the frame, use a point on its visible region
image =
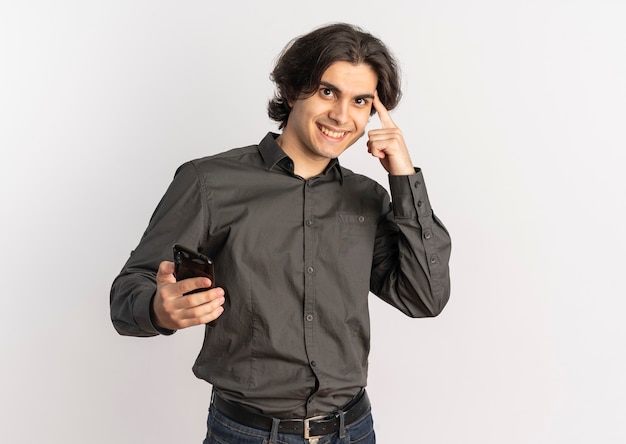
(356, 243)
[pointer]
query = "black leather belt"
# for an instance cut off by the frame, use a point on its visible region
(317, 426)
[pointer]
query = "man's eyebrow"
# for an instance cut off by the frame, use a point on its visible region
(338, 91)
(330, 86)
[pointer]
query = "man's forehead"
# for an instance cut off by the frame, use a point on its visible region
(347, 77)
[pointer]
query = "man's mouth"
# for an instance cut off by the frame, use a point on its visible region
(331, 133)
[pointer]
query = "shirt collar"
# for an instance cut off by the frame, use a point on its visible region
(273, 154)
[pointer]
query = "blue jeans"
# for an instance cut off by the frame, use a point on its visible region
(221, 430)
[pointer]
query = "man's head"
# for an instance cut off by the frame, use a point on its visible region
(300, 67)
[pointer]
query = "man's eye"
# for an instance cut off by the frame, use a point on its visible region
(326, 92)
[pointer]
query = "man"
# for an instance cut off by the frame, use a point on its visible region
(298, 243)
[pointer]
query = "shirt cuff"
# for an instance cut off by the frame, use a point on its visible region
(409, 196)
(144, 315)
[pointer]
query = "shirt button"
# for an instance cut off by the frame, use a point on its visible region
(309, 317)
(416, 184)
(309, 223)
(313, 363)
(419, 203)
(310, 270)
(361, 219)
(428, 235)
(433, 259)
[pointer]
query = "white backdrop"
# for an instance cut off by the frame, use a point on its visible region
(516, 112)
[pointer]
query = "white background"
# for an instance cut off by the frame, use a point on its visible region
(516, 111)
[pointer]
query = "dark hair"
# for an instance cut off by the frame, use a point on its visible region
(304, 60)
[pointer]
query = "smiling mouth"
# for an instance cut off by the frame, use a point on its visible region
(330, 133)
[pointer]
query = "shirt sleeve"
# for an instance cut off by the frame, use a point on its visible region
(180, 217)
(410, 265)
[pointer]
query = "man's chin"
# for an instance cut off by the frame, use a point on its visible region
(333, 153)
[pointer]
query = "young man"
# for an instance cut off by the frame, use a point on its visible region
(298, 242)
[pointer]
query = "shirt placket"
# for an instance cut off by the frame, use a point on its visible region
(310, 273)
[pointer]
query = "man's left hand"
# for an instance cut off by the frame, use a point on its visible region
(387, 143)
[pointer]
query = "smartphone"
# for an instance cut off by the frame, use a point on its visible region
(189, 263)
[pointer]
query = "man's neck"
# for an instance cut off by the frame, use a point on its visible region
(303, 165)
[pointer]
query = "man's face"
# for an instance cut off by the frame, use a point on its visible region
(324, 125)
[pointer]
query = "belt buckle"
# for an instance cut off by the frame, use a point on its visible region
(307, 427)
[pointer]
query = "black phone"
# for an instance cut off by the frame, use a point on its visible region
(189, 263)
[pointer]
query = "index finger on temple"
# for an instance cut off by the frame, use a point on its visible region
(383, 114)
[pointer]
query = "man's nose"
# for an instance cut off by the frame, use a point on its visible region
(339, 112)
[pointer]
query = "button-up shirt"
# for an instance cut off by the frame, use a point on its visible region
(297, 259)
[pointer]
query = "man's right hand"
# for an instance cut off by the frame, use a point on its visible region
(174, 311)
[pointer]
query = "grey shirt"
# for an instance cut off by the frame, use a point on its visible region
(297, 259)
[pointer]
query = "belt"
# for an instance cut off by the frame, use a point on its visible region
(314, 427)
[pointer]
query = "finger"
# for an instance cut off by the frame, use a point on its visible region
(211, 316)
(165, 273)
(384, 134)
(217, 300)
(202, 297)
(191, 284)
(385, 118)
(374, 151)
(204, 312)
